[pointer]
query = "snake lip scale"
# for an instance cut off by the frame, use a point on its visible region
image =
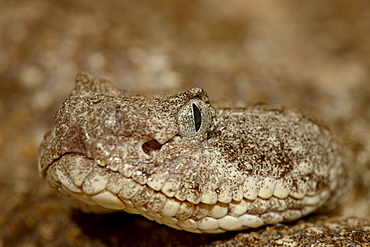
(178, 161)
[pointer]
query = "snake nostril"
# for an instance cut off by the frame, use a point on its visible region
(150, 146)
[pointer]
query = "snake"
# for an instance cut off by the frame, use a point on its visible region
(177, 160)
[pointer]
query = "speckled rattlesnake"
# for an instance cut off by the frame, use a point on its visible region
(177, 160)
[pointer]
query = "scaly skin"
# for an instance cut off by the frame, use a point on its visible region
(229, 169)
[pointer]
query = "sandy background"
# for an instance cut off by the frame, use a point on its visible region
(311, 55)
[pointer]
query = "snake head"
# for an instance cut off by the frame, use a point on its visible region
(103, 123)
(177, 160)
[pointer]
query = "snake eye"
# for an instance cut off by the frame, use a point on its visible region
(194, 118)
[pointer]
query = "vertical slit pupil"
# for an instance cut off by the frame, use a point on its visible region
(197, 117)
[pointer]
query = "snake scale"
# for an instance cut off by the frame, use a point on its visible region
(180, 162)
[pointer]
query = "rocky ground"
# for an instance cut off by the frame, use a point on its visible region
(311, 55)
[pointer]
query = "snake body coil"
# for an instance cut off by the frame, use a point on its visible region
(180, 162)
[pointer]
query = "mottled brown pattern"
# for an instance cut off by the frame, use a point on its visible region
(309, 55)
(140, 139)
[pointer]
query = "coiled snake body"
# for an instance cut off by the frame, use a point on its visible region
(177, 160)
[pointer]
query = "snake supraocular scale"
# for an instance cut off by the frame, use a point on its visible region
(177, 160)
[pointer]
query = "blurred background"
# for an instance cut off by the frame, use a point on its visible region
(310, 55)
